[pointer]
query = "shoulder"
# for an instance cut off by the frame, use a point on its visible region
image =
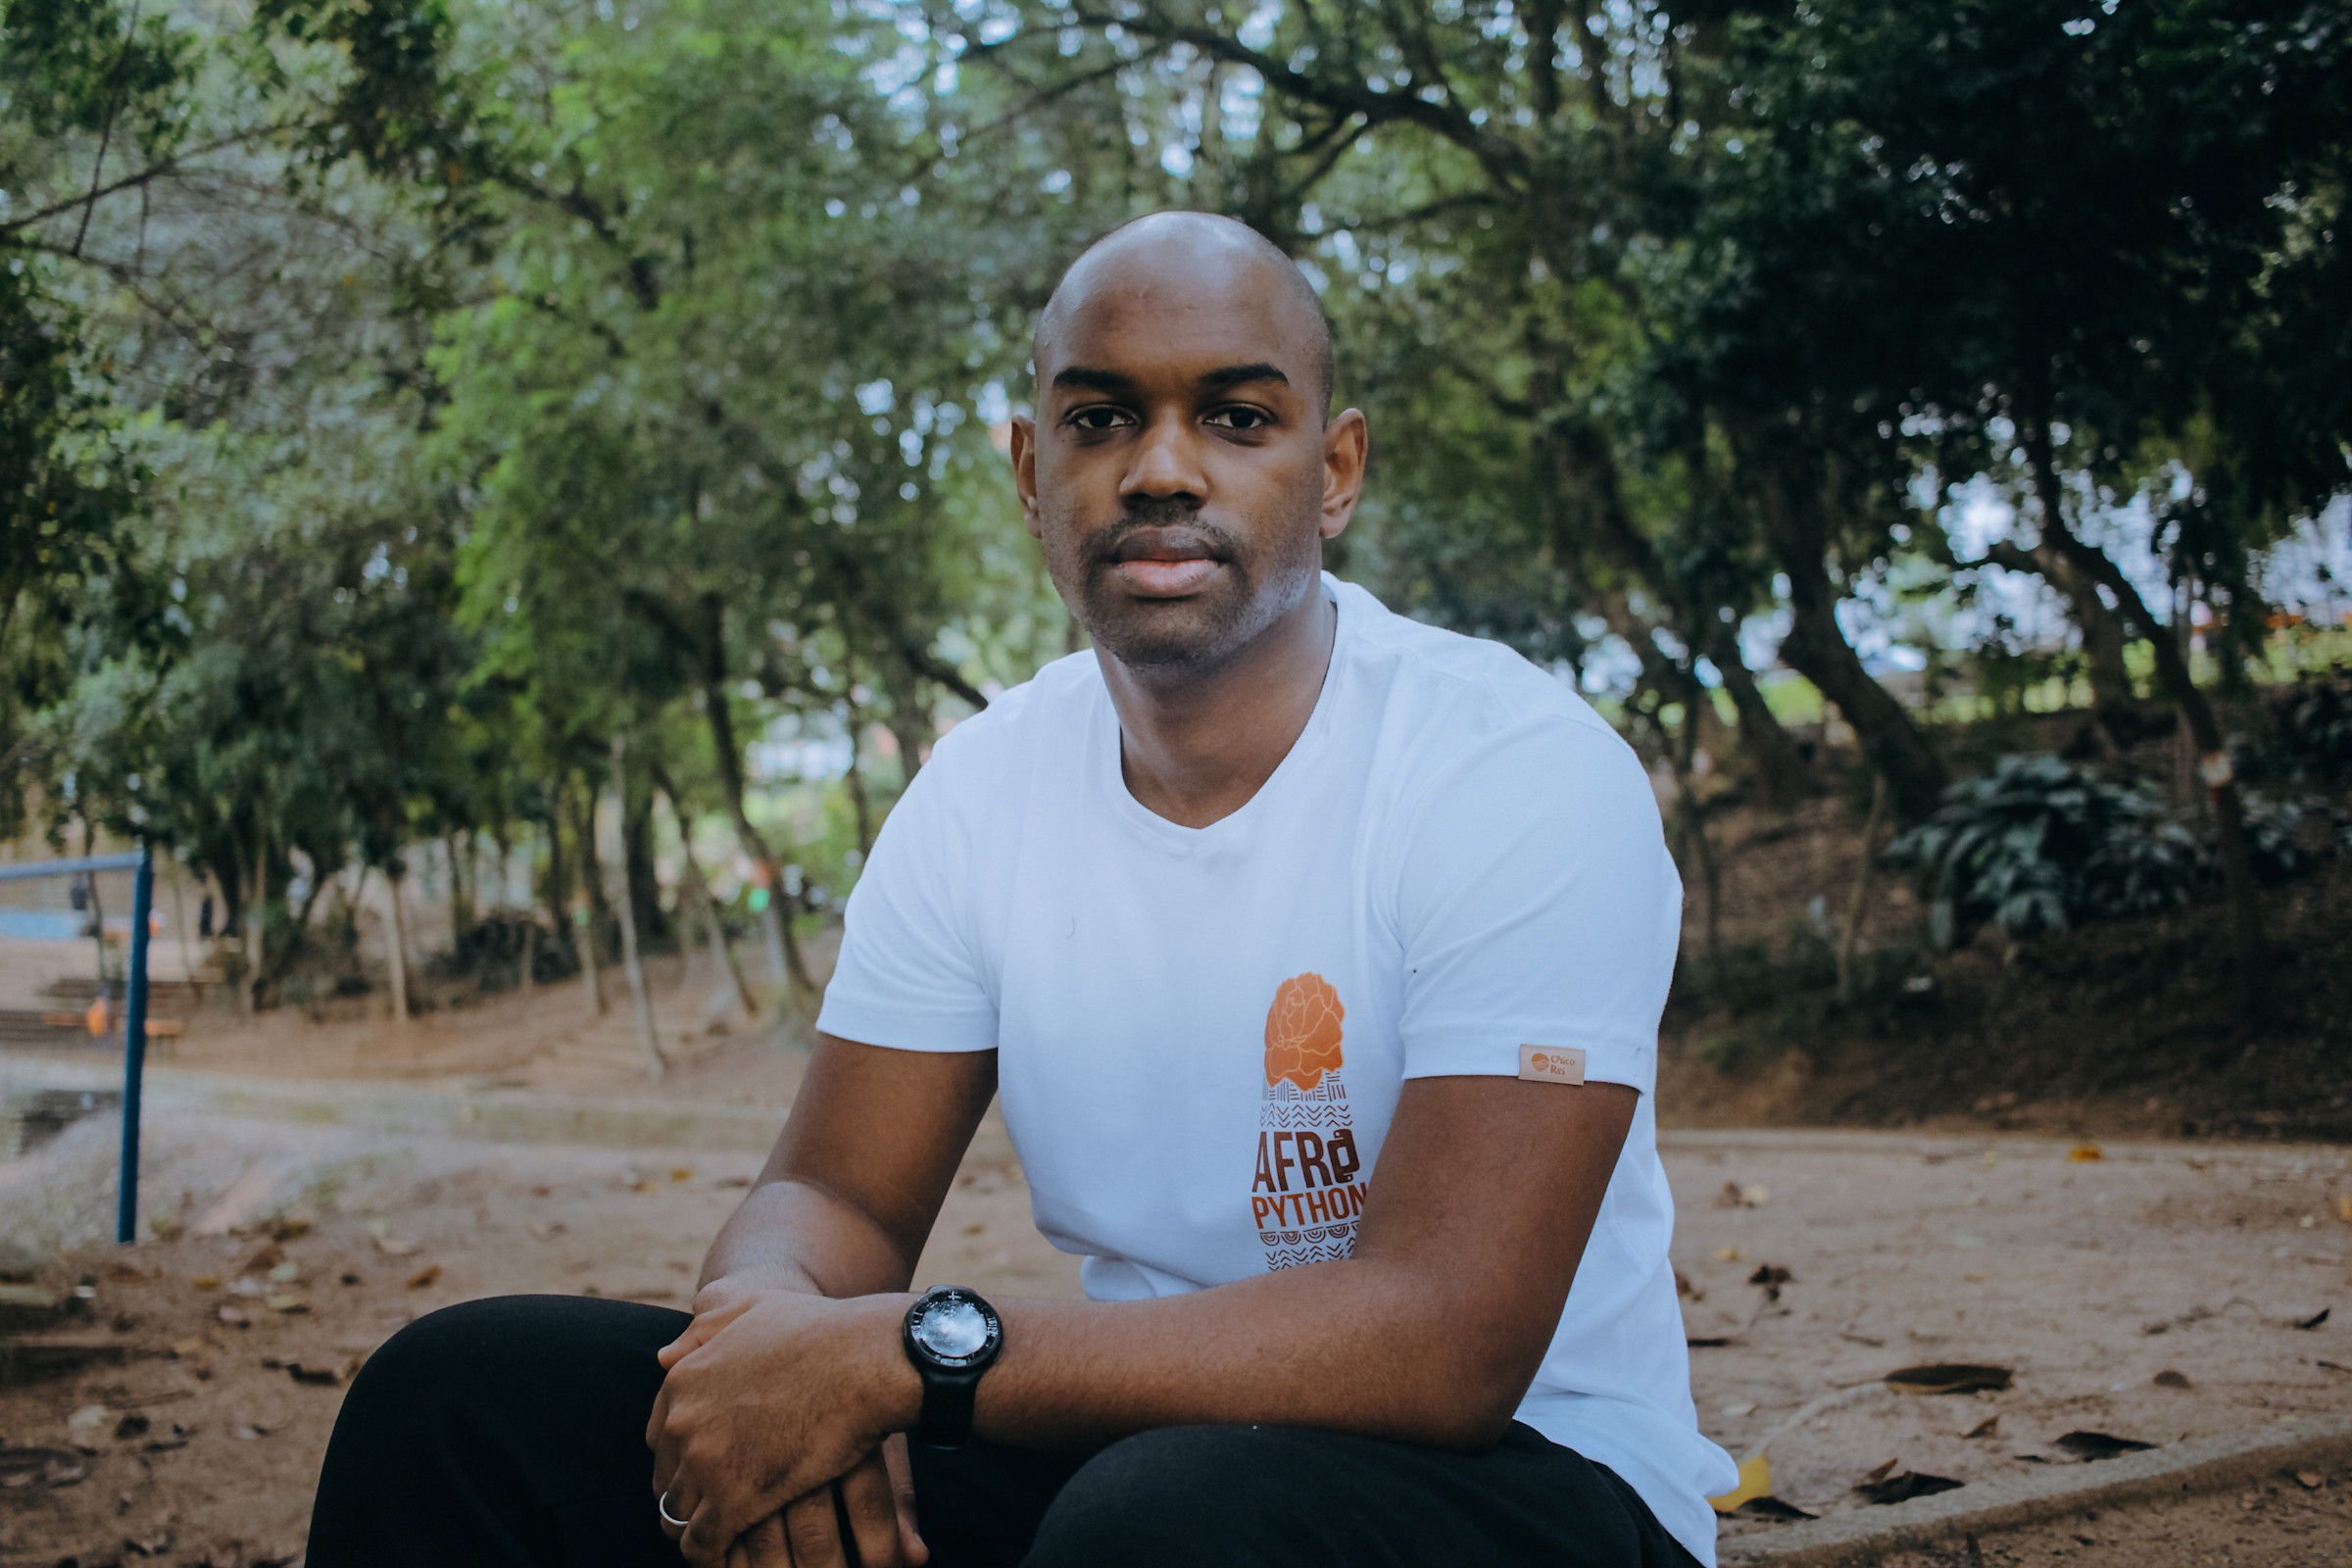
(998, 744)
(1451, 705)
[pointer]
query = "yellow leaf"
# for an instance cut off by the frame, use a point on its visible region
(2085, 1152)
(1755, 1481)
(2343, 1208)
(1727, 1254)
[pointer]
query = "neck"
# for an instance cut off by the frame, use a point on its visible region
(1194, 748)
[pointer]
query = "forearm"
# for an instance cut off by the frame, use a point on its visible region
(1359, 1345)
(791, 1235)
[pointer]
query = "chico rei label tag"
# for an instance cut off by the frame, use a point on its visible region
(1552, 1064)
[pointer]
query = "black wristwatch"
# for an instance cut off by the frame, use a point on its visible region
(952, 1337)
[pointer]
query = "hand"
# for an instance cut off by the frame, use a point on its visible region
(877, 1497)
(772, 1396)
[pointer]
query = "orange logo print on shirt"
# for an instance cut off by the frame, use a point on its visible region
(1302, 1032)
(1305, 1199)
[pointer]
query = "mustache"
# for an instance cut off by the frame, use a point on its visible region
(1153, 525)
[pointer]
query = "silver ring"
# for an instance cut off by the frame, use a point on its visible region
(662, 1506)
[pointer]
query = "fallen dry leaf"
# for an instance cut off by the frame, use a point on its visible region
(131, 1426)
(248, 1430)
(261, 1262)
(2170, 1379)
(184, 1349)
(732, 1181)
(1771, 1508)
(1683, 1286)
(1989, 1427)
(1727, 1254)
(2315, 1319)
(289, 1302)
(2310, 1480)
(154, 1546)
(2343, 1208)
(1729, 1197)
(62, 1473)
(286, 1273)
(2085, 1152)
(392, 1249)
(645, 1186)
(681, 1174)
(88, 1416)
(1890, 1483)
(1958, 1377)
(427, 1275)
(2100, 1445)
(1755, 1481)
(1771, 1276)
(205, 1282)
(325, 1377)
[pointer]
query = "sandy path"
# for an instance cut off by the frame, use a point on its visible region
(2087, 1278)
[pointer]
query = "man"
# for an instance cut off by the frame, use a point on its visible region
(1317, 956)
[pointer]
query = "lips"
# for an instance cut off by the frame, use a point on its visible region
(1163, 563)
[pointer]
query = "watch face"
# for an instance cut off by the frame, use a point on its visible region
(954, 1328)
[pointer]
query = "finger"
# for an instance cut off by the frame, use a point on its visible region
(813, 1530)
(872, 1510)
(901, 1468)
(698, 1334)
(670, 1506)
(762, 1545)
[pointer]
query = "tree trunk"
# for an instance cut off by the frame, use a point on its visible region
(789, 974)
(2196, 713)
(396, 877)
(627, 905)
(461, 887)
(256, 935)
(584, 920)
(860, 808)
(697, 892)
(1859, 910)
(1817, 649)
(554, 888)
(1782, 779)
(2103, 637)
(644, 887)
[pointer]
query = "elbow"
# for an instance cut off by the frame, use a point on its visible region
(1467, 1401)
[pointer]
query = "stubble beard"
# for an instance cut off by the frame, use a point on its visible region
(1190, 636)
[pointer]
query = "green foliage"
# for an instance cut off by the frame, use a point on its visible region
(2313, 725)
(2038, 846)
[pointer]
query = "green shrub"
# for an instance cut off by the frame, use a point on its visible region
(2038, 846)
(2314, 726)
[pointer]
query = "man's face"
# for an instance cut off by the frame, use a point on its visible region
(1179, 472)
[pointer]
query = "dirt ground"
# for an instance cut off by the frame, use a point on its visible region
(178, 1414)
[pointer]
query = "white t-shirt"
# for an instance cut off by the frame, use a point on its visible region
(1201, 1033)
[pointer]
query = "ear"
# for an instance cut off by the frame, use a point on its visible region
(1347, 447)
(1024, 472)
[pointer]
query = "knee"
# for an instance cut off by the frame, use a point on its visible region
(1180, 1494)
(494, 1351)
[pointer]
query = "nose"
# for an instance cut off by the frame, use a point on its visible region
(1166, 463)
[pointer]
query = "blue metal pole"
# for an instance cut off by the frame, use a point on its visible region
(134, 1049)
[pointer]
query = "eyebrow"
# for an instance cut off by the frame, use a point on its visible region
(1224, 375)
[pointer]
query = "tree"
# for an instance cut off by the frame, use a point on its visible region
(2018, 233)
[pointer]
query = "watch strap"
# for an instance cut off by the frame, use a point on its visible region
(946, 1421)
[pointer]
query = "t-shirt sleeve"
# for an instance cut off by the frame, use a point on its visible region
(1538, 906)
(910, 975)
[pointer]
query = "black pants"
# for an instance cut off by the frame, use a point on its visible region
(511, 1432)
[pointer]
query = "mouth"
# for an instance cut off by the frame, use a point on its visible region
(1164, 563)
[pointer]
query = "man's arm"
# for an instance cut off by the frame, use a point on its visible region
(851, 1189)
(841, 1210)
(1474, 1222)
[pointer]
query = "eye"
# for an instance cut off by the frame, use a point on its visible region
(1097, 416)
(1241, 417)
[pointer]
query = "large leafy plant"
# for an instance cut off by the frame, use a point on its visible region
(2038, 846)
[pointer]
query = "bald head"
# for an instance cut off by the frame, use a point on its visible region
(1185, 260)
